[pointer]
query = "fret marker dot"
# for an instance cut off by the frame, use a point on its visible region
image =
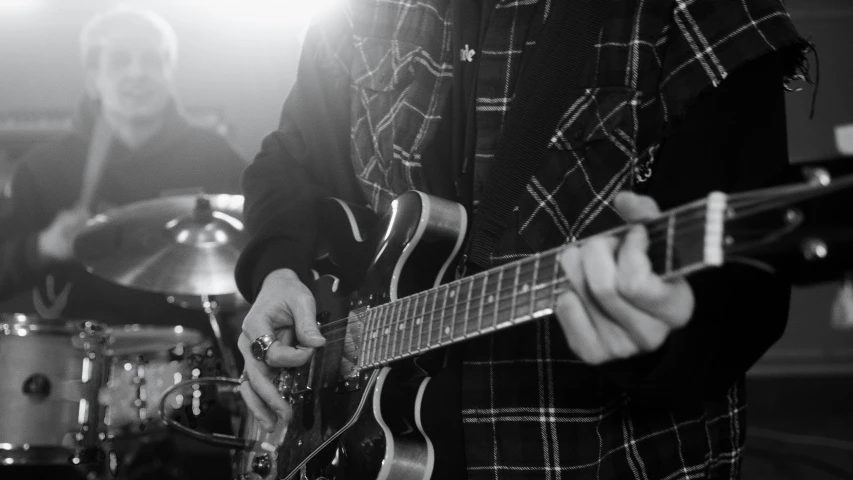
(491, 299)
(418, 321)
(374, 334)
(525, 288)
(452, 294)
(447, 330)
(402, 326)
(387, 331)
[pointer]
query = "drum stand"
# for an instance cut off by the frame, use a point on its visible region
(211, 308)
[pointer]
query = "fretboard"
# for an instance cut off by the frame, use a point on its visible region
(516, 292)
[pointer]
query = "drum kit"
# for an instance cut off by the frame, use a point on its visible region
(71, 390)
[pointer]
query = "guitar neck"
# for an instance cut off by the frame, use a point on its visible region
(680, 241)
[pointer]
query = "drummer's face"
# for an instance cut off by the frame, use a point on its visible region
(133, 77)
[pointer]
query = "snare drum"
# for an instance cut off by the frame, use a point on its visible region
(50, 375)
(143, 362)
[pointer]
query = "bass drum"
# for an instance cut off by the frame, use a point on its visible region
(50, 375)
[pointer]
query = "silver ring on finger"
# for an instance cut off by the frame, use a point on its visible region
(243, 377)
(260, 347)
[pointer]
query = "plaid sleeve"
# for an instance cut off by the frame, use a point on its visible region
(707, 39)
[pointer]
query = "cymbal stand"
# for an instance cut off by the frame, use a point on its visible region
(211, 308)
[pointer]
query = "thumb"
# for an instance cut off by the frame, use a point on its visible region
(634, 207)
(305, 323)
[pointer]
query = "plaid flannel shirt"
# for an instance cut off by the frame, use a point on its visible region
(530, 408)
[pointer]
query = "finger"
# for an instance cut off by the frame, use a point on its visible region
(305, 320)
(611, 340)
(635, 207)
(577, 328)
(644, 331)
(259, 375)
(669, 301)
(256, 406)
(285, 355)
(259, 322)
(581, 334)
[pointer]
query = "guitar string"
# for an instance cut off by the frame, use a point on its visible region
(750, 205)
(543, 255)
(500, 307)
(528, 263)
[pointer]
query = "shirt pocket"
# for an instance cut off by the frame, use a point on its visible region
(399, 90)
(590, 158)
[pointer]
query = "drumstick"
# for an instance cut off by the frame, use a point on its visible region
(95, 160)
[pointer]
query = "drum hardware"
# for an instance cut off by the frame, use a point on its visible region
(224, 385)
(184, 247)
(51, 414)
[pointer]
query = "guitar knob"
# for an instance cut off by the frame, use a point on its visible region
(815, 249)
(262, 465)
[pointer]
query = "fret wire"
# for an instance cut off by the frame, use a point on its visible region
(392, 330)
(423, 322)
(380, 319)
(450, 330)
(482, 302)
(467, 308)
(365, 336)
(497, 298)
(374, 333)
(386, 328)
(514, 292)
(371, 316)
(432, 316)
(534, 282)
(405, 324)
(443, 311)
(462, 315)
(555, 274)
(412, 323)
(395, 328)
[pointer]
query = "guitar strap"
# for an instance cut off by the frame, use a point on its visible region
(557, 66)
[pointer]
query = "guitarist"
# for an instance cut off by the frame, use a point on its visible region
(636, 377)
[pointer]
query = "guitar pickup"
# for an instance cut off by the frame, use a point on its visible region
(294, 384)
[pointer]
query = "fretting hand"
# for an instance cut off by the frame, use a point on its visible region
(619, 307)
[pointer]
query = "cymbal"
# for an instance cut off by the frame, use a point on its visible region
(180, 245)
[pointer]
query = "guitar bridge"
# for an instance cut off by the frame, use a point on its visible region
(294, 384)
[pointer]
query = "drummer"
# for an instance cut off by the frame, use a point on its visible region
(131, 141)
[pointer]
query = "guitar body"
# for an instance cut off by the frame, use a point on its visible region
(356, 417)
(377, 409)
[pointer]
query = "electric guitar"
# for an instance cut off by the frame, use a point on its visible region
(357, 403)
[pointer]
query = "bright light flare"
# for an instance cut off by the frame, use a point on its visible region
(266, 12)
(19, 3)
